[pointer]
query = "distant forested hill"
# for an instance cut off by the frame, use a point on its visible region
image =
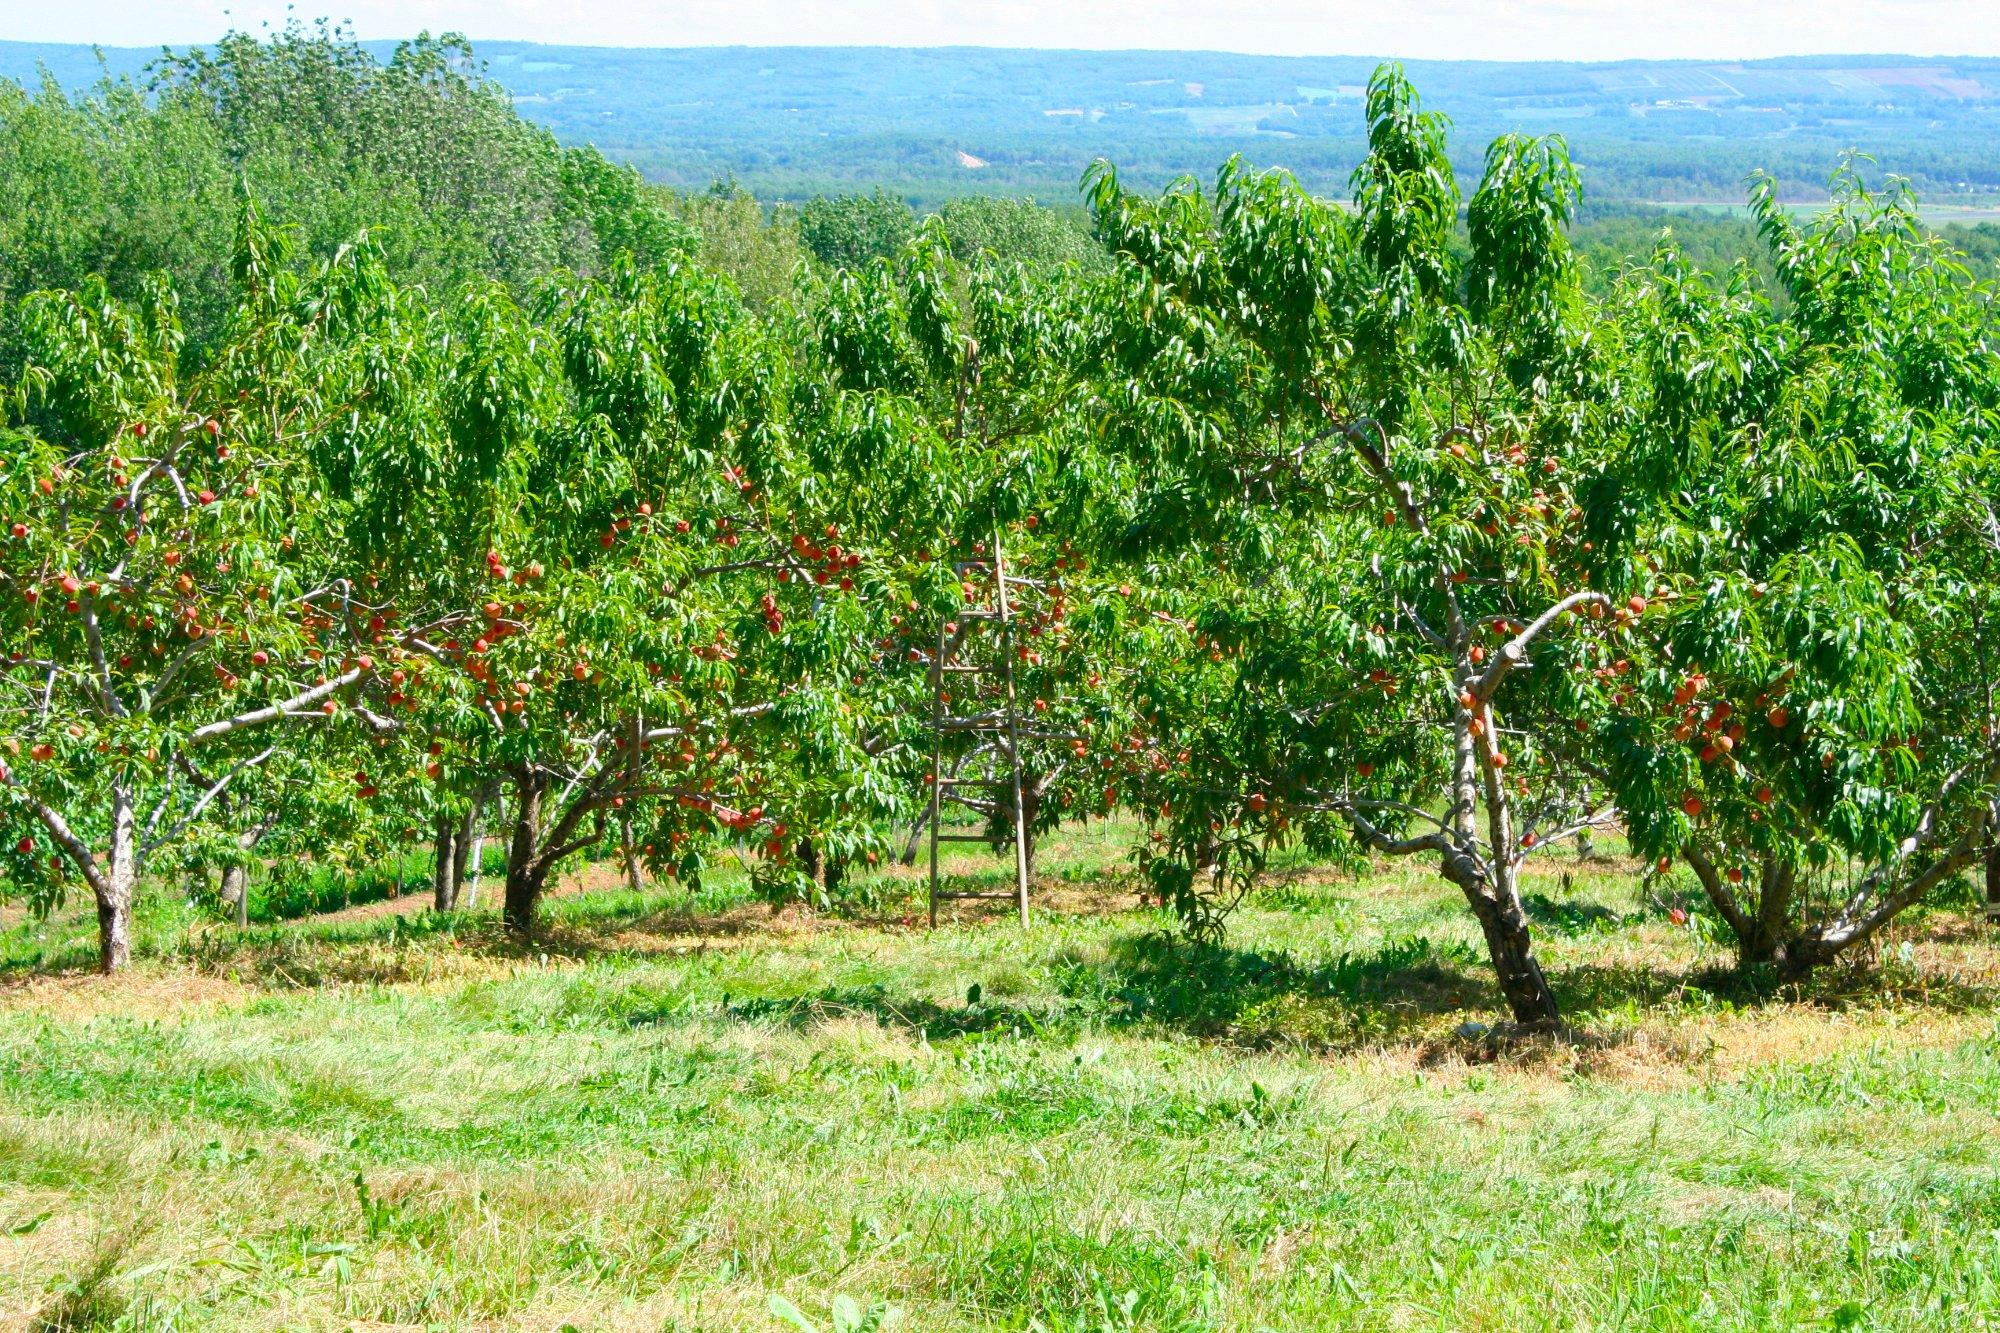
(935, 123)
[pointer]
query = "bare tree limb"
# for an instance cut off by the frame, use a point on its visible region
(70, 843)
(207, 798)
(1514, 652)
(273, 712)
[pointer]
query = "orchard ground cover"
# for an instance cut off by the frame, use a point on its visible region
(669, 1111)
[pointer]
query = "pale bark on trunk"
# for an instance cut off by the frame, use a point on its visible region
(236, 894)
(1489, 880)
(236, 876)
(1492, 889)
(115, 887)
(472, 844)
(472, 871)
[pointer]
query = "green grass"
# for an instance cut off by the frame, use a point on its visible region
(669, 1112)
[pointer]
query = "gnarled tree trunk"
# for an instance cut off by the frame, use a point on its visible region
(444, 865)
(1492, 887)
(236, 893)
(236, 875)
(827, 872)
(534, 851)
(1496, 901)
(1767, 933)
(525, 878)
(1762, 927)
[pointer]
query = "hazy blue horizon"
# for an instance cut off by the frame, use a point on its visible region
(1564, 30)
(932, 123)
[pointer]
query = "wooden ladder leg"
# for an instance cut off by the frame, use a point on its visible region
(937, 762)
(1013, 730)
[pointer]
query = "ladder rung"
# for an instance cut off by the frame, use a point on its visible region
(963, 837)
(961, 897)
(969, 670)
(976, 782)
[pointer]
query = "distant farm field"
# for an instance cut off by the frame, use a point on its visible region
(674, 1111)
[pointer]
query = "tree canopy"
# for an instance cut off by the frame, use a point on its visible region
(416, 467)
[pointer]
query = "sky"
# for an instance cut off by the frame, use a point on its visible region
(1409, 29)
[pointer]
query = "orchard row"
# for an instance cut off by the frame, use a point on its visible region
(1323, 532)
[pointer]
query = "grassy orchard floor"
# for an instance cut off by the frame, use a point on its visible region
(665, 1116)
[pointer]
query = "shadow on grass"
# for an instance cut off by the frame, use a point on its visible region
(1396, 991)
(1215, 992)
(1572, 916)
(1140, 979)
(1259, 998)
(936, 1021)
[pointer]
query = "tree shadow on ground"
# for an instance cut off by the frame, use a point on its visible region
(1860, 982)
(937, 1022)
(1242, 996)
(1574, 916)
(1396, 991)
(1261, 998)
(1144, 978)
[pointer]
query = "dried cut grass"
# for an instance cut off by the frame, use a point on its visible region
(148, 993)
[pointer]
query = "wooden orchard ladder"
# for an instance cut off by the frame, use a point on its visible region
(1006, 721)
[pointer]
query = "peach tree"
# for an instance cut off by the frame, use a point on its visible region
(170, 601)
(939, 404)
(1369, 450)
(1814, 734)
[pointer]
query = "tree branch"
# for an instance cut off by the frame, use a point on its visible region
(96, 640)
(273, 712)
(70, 843)
(207, 797)
(1514, 652)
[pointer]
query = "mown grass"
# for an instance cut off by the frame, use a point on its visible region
(670, 1111)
